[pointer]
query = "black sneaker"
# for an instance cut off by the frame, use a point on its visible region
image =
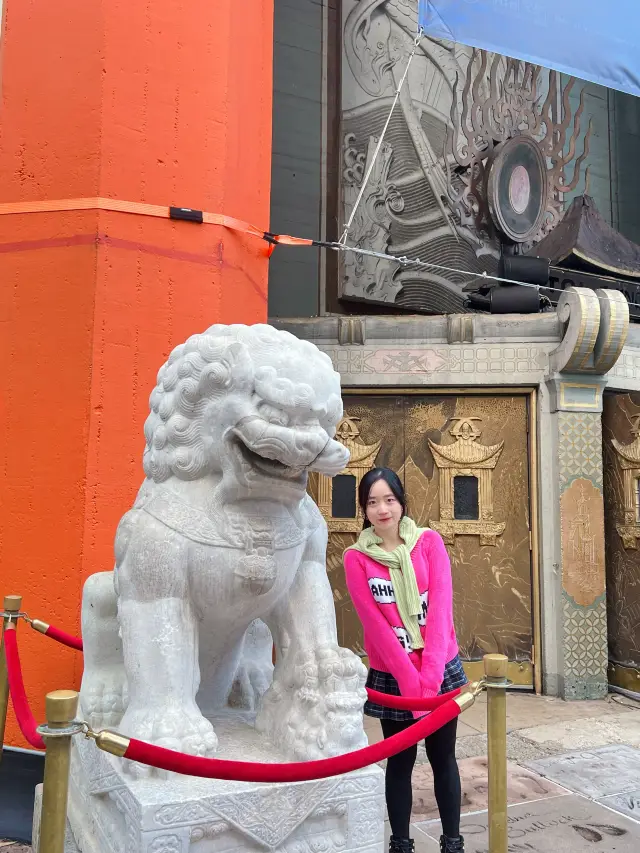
(451, 845)
(401, 845)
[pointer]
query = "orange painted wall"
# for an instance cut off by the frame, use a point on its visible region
(165, 103)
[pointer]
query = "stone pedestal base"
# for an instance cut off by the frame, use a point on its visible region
(110, 812)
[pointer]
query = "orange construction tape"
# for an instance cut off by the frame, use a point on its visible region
(161, 211)
(56, 205)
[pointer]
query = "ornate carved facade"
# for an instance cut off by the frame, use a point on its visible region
(480, 150)
(404, 380)
(474, 137)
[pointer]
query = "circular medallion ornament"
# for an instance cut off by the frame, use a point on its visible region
(517, 188)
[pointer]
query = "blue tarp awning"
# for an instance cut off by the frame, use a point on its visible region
(591, 39)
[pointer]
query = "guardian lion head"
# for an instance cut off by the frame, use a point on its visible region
(250, 402)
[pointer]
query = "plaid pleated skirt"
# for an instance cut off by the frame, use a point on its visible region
(384, 682)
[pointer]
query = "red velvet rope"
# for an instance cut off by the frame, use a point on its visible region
(398, 702)
(443, 711)
(21, 707)
(403, 703)
(64, 638)
(249, 771)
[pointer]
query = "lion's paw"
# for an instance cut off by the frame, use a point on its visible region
(314, 707)
(250, 684)
(104, 698)
(180, 729)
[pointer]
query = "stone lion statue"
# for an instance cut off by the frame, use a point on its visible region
(222, 557)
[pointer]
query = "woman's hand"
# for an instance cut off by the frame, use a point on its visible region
(427, 691)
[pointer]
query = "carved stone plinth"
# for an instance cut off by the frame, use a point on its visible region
(111, 812)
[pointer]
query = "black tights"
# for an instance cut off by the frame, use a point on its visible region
(441, 752)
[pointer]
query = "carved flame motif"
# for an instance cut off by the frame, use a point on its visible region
(466, 458)
(629, 456)
(497, 104)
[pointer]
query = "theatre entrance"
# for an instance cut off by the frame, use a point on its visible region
(465, 461)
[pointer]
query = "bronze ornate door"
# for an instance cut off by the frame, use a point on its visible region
(621, 439)
(375, 424)
(464, 460)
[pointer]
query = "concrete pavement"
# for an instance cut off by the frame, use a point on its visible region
(574, 777)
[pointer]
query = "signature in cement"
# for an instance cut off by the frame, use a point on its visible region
(592, 832)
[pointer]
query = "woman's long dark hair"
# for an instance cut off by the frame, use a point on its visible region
(370, 478)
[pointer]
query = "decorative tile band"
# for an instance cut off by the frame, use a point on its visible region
(579, 447)
(505, 363)
(585, 651)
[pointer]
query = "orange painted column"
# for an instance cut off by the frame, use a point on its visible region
(166, 103)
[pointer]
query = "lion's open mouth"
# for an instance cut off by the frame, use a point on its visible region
(267, 467)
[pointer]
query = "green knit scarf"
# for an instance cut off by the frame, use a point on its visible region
(401, 571)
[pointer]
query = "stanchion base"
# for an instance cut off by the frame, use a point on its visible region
(110, 812)
(70, 845)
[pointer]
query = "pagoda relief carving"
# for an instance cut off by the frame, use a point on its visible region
(629, 459)
(338, 496)
(582, 542)
(466, 484)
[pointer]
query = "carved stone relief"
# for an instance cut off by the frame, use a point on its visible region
(372, 221)
(472, 364)
(474, 462)
(181, 814)
(166, 844)
(429, 191)
(629, 460)
(582, 538)
(503, 99)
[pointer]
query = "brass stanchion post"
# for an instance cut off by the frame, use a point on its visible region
(61, 711)
(12, 604)
(495, 668)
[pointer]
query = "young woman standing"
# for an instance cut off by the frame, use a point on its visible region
(399, 578)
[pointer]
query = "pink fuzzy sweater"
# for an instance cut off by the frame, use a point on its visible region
(418, 672)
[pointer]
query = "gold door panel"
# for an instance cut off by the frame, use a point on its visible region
(380, 425)
(464, 463)
(621, 441)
